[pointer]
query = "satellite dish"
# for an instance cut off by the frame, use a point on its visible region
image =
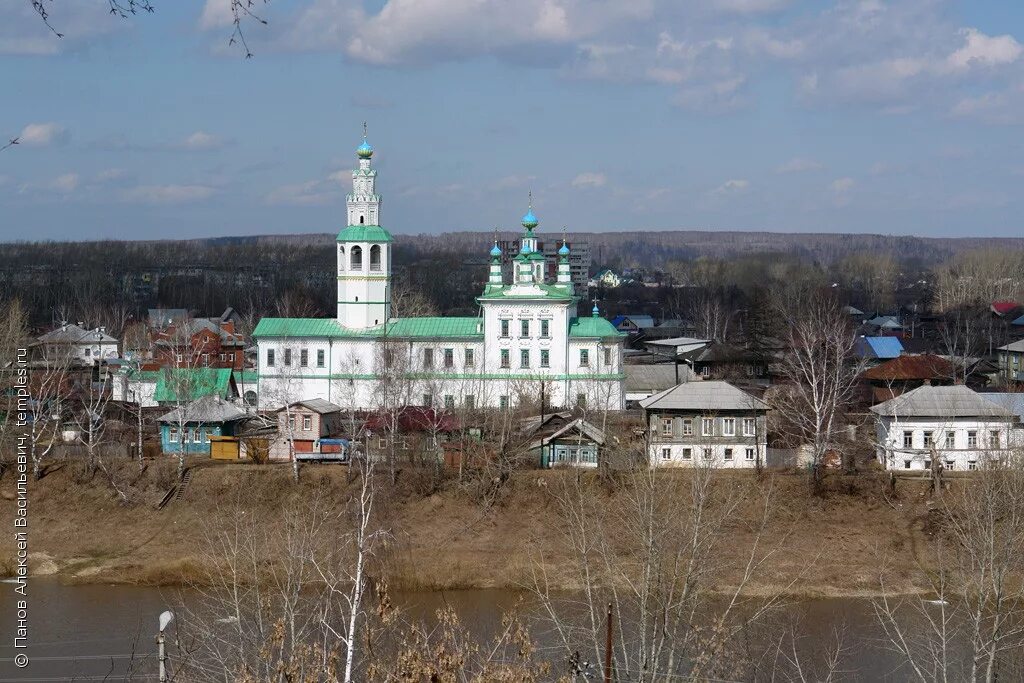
(165, 620)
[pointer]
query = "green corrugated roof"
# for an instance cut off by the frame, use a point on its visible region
(549, 292)
(364, 233)
(302, 327)
(435, 327)
(196, 382)
(400, 327)
(246, 376)
(592, 327)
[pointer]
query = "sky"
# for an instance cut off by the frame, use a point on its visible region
(782, 115)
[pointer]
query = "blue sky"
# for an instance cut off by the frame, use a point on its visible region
(853, 116)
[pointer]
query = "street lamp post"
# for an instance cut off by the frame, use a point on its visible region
(165, 620)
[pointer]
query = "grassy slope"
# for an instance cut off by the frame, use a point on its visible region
(448, 540)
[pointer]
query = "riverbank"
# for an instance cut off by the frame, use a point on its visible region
(462, 536)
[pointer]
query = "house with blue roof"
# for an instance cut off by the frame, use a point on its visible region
(524, 340)
(878, 348)
(632, 322)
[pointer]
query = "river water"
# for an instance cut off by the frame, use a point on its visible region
(99, 632)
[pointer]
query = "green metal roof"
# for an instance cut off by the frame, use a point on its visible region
(193, 382)
(399, 327)
(435, 327)
(549, 292)
(592, 327)
(364, 233)
(302, 327)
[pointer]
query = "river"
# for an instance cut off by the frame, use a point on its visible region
(97, 632)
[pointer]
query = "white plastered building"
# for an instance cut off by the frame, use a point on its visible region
(525, 340)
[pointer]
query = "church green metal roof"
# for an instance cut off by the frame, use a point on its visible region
(398, 327)
(435, 327)
(364, 233)
(506, 292)
(592, 327)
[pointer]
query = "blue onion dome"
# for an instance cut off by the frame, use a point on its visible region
(524, 248)
(365, 150)
(595, 312)
(564, 251)
(529, 220)
(495, 251)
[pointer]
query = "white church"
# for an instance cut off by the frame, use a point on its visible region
(525, 342)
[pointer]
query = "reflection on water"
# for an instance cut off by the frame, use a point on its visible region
(100, 631)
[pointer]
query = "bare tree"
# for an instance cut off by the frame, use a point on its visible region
(970, 626)
(50, 381)
(819, 372)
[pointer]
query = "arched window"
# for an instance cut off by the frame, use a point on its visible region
(375, 257)
(362, 220)
(341, 257)
(356, 262)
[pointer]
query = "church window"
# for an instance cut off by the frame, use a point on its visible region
(524, 358)
(584, 358)
(469, 361)
(270, 358)
(545, 330)
(470, 401)
(362, 220)
(581, 400)
(545, 358)
(504, 358)
(287, 357)
(449, 358)
(449, 402)
(428, 400)
(303, 358)
(375, 257)
(524, 328)
(320, 358)
(341, 258)
(356, 260)
(428, 358)
(503, 402)
(504, 328)
(607, 356)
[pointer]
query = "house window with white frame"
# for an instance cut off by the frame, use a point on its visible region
(172, 434)
(687, 427)
(929, 439)
(666, 426)
(908, 439)
(994, 440)
(950, 439)
(291, 423)
(972, 439)
(707, 426)
(749, 426)
(728, 454)
(749, 454)
(707, 453)
(728, 426)
(687, 454)
(307, 422)
(584, 358)
(666, 453)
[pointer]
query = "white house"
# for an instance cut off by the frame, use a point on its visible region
(526, 337)
(953, 423)
(79, 344)
(706, 423)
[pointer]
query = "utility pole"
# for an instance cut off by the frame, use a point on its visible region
(608, 648)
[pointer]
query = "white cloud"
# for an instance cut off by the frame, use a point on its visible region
(216, 14)
(65, 183)
(750, 6)
(167, 194)
(513, 181)
(41, 134)
(1002, 108)
(22, 31)
(843, 184)
(590, 179)
(799, 165)
(110, 175)
(982, 50)
(732, 186)
(310, 193)
(201, 140)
